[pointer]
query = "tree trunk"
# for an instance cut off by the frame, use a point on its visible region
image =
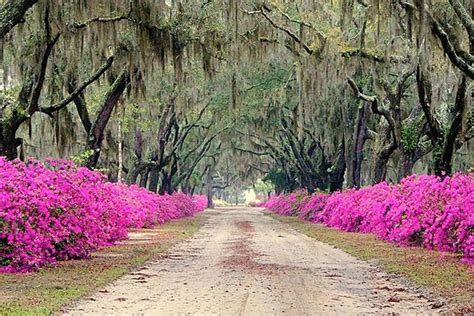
(446, 158)
(144, 177)
(120, 156)
(165, 186)
(406, 164)
(133, 174)
(443, 143)
(154, 179)
(382, 158)
(96, 134)
(360, 136)
(138, 166)
(380, 170)
(8, 141)
(209, 191)
(186, 188)
(336, 174)
(9, 145)
(381, 162)
(301, 105)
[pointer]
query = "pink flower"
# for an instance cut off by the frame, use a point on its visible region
(55, 211)
(420, 211)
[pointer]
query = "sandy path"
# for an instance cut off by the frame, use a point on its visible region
(243, 262)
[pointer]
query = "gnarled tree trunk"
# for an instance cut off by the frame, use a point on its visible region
(96, 133)
(443, 143)
(458, 112)
(153, 179)
(336, 174)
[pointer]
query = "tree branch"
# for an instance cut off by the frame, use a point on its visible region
(74, 26)
(456, 123)
(38, 88)
(58, 106)
(425, 101)
(252, 152)
(189, 127)
(374, 57)
(320, 34)
(12, 13)
(374, 104)
(449, 48)
(281, 28)
(81, 108)
(96, 133)
(465, 18)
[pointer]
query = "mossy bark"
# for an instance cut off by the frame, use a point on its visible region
(11, 13)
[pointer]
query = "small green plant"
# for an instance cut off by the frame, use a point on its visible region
(409, 136)
(81, 159)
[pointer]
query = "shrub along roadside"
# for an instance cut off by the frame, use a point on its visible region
(55, 211)
(444, 273)
(421, 211)
(48, 290)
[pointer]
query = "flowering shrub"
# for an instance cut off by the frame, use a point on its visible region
(311, 205)
(55, 211)
(289, 205)
(200, 202)
(420, 211)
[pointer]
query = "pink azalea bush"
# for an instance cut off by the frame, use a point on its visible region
(420, 211)
(286, 204)
(55, 211)
(311, 204)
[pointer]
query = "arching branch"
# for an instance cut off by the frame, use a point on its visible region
(450, 50)
(58, 106)
(74, 26)
(252, 152)
(424, 90)
(465, 18)
(320, 34)
(292, 35)
(374, 57)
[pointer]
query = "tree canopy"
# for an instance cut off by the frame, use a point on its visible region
(211, 95)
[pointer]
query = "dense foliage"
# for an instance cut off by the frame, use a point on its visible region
(55, 211)
(209, 96)
(421, 211)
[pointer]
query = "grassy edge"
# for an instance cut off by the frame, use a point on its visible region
(442, 273)
(49, 290)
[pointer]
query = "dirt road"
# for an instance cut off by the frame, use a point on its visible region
(243, 262)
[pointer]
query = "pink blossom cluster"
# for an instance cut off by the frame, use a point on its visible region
(55, 211)
(421, 211)
(288, 205)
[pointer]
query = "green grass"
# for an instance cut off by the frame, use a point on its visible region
(48, 290)
(444, 273)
